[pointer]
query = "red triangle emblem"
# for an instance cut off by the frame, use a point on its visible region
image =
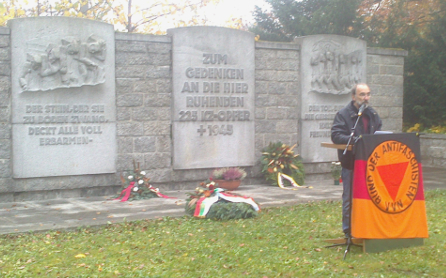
(392, 175)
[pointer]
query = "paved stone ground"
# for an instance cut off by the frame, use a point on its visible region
(19, 217)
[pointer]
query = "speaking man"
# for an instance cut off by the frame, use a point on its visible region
(341, 130)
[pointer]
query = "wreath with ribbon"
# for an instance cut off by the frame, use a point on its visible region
(209, 201)
(137, 187)
(281, 166)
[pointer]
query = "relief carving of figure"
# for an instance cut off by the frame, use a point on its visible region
(30, 72)
(334, 72)
(71, 63)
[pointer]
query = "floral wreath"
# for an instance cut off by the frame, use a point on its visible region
(209, 201)
(136, 186)
(279, 163)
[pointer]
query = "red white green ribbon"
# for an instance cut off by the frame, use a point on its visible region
(204, 204)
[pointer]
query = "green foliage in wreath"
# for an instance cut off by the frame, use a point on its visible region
(280, 158)
(225, 210)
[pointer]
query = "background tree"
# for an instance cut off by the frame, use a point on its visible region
(126, 15)
(287, 19)
(415, 25)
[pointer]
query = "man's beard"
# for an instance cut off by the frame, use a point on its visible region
(361, 103)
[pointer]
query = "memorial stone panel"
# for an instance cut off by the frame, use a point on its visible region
(213, 97)
(63, 97)
(331, 65)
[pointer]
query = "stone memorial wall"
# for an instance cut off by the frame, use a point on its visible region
(213, 97)
(79, 104)
(330, 67)
(63, 97)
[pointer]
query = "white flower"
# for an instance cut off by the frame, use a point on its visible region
(135, 188)
(140, 182)
(143, 173)
(130, 178)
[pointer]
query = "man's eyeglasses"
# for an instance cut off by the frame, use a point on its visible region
(364, 94)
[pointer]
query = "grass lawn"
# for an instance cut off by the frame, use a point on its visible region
(280, 242)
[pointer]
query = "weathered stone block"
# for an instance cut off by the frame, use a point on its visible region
(289, 65)
(161, 59)
(287, 76)
(391, 69)
(155, 72)
(286, 126)
(260, 113)
(144, 114)
(265, 75)
(126, 82)
(158, 100)
(278, 113)
(5, 149)
(160, 176)
(288, 54)
(373, 69)
(277, 88)
(125, 145)
(274, 138)
(130, 46)
(388, 101)
(157, 128)
(157, 160)
(396, 112)
(145, 86)
(130, 100)
(262, 101)
(5, 69)
(261, 87)
(145, 144)
(163, 144)
(4, 99)
(159, 48)
(5, 168)
(125, 161)
(265, 126)
(130, 129)
(4, 54)
(130, 71)
(261, 64)
(4, 114)
(4, 41)
(5, 84)
(384, 79)
(123, 114)
(163, 86)
(164, 113)
(392, 60)
(5, 131)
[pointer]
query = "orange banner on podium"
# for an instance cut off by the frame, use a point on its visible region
(388, 193)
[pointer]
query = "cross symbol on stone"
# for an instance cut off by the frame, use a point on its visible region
(201, 130)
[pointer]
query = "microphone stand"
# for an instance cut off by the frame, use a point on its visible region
(361, 110)
(349, 240)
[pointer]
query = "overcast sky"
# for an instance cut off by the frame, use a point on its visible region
(227, 9)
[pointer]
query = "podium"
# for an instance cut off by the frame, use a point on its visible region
(388, 209)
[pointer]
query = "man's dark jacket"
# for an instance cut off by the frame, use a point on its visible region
(343, 123)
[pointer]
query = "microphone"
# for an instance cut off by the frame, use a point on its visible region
(361, 109)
